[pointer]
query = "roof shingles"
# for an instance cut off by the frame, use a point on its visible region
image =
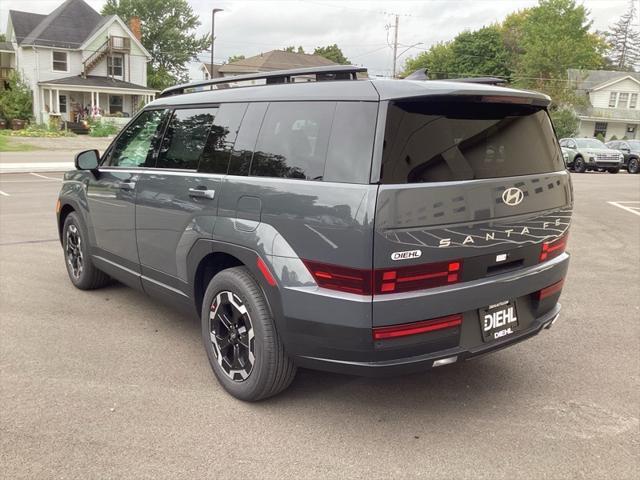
(275, 60)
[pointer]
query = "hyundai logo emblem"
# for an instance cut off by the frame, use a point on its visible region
(512, 196)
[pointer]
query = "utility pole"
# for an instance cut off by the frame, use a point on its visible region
(395, 45)
(213, 38)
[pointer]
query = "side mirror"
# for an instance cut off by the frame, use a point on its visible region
(87, 160)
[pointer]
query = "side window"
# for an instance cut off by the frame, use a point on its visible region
(563, 143)
(571, 144)
(242, 153)
(185, 140)
(293, 140)
(222, 137)
(135, 146)
(351, 144)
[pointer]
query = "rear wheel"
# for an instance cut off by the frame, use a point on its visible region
(613, 170)
(244, 349)
(579, 166)
(82, 272)
(633, 166)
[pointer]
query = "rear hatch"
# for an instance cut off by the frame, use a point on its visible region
(470, 188)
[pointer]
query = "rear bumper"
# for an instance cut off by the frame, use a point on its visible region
(333, 332)
(425, 362)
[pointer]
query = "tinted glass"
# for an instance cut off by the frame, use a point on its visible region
(445, 141)
(590, 143)
(135, 146)
(293, 140)
(351, 143)
(223, 136)
(246, 140)
(185, 140)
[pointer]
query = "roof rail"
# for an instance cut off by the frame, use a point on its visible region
(331, 72)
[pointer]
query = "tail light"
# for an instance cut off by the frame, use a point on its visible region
(550, 290)
(388, 280)
(554, 248)
(404, 330)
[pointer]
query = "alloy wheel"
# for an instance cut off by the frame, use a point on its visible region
(75, 259)
(232, 336)
(633, 165)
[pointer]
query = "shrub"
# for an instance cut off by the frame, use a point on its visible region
(34, 130)
(565, 121)
(100, 128)
(16, 102)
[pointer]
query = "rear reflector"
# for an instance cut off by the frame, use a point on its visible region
(554, 248)
(388, 280)
(550, 290)
(265, 272)
(404, 330)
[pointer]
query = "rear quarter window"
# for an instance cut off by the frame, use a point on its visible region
(441, 141)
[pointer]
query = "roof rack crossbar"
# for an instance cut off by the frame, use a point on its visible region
(276, 76)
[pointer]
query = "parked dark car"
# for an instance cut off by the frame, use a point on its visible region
(371, 227)
(630, 149)
(586, 154)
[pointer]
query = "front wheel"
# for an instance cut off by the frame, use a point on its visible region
(82, 272)
(579, 166)
(243, 347)
(613, 170)
(633, 166)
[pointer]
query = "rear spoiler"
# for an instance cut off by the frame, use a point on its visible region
(422, 74)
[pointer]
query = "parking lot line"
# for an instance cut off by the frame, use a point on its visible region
(5, 194)
(628, 208)
(44, 176)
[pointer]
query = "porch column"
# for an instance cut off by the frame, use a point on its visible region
(98, 101)
(50, 100)
(42, 100)
(57, 101)
(92, 105)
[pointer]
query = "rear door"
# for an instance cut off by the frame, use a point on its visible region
(468, 189)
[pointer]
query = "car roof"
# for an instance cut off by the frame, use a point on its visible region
(345, 90)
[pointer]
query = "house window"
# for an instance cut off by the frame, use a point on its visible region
(115, 65)
(60, 62)
(623, 100)
(115, 103)
(612, 99)
(601, 129)
(634, 100)
(63, 103)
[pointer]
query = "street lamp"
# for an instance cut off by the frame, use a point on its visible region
(213, 20)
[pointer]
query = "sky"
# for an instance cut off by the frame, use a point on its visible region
(359, 27)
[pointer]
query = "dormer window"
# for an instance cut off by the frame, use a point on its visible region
(115, 65)
(60, 62)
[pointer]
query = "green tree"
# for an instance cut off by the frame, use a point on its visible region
(333, 53)
(235, 58)
(168, 33)
(16, 102)
(556, 36)
(293, 49)
(438, 60)
(624, 41)
(565, 122)
(481, 52)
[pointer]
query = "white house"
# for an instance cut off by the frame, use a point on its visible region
(613, 107)
(77, 62)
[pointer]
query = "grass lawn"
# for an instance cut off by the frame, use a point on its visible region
(8, 144)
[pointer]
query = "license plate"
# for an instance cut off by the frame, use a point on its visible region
(498, 321)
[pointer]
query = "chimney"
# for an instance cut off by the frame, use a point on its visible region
(135, 27)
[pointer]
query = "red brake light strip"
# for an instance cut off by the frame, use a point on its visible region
(404, 330)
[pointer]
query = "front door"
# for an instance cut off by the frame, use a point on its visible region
(111, 192)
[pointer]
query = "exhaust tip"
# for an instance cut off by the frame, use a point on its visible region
(445, 361)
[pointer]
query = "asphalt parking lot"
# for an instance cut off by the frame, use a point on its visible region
(111, 384)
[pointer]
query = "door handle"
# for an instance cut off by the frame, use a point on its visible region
(202, 193)
(127, 185)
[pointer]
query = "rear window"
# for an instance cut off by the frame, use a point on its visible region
(442, 141)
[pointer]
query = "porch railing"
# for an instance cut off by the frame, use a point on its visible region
(111, 45)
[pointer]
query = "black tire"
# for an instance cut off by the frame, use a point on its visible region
(633, 166)
(579, 166)
(269, 370)
(613, 170)
(82, 272)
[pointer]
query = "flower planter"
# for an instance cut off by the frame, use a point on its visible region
(17, 124)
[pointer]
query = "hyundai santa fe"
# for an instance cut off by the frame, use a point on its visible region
(365, 227)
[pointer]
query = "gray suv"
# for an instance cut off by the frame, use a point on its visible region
(350, 225)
